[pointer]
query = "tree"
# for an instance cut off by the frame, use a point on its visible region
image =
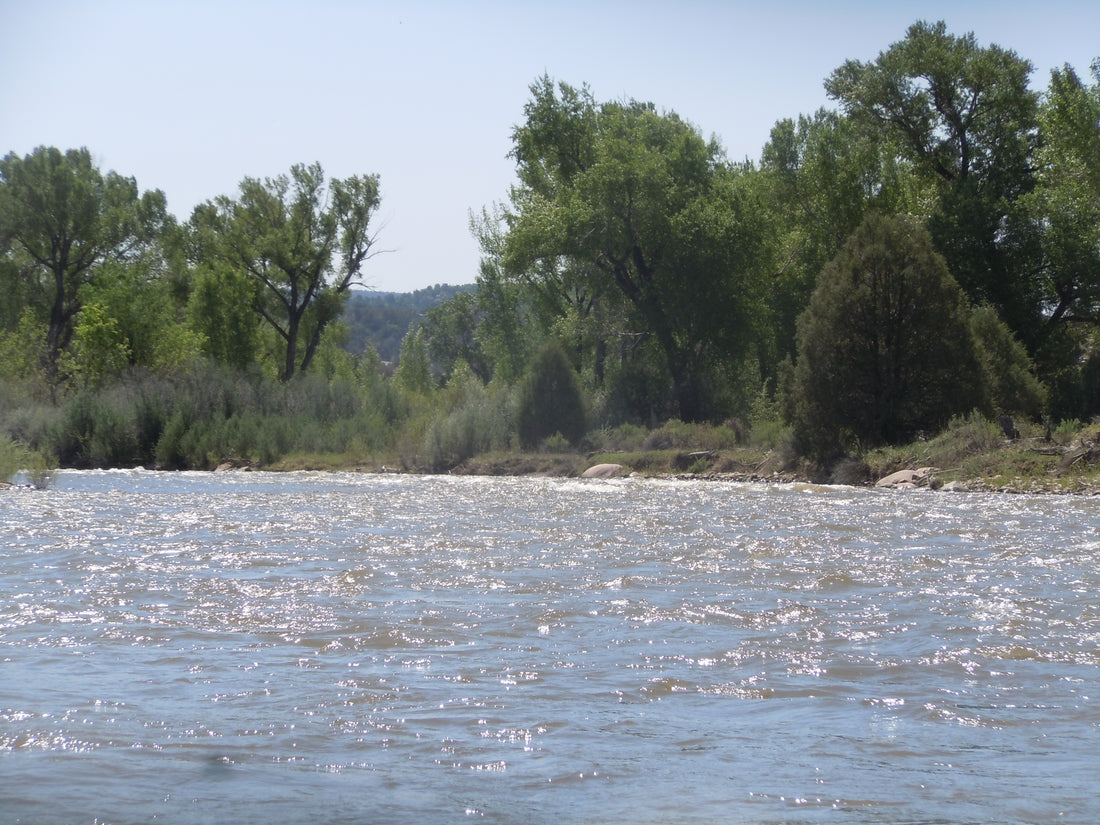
(550, 399)
(639, 203)
(1066, 202)
(100, 350)
(506, 332)
(1008, 374)
(823, 176)
(60, 218)
(414, 369)
(964, 116)
(884, 348)
(220, 309)
(450, 330)
(136, 302)
(304, 244)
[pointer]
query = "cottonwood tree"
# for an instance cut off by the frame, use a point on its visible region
(60, 219)
(822, 176)
(302, 242)
(1066, 202)
(964, 116)
(639, 203)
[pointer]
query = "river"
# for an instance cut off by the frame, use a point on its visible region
(346, 648)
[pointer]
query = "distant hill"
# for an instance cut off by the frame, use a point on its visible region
(383, 318)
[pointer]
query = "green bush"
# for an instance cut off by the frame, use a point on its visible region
(17, 458)
(169, 450)
(481, 421)
(91, 432)
(1065, 432)
(965, 436)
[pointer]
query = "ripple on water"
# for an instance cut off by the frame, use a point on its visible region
(544, 650)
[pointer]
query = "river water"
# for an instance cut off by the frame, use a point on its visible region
(343, 648)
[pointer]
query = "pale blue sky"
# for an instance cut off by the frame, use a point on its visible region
(189, 97)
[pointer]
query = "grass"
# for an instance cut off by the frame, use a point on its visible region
(18, 462)
(971, 453)
(975, 454)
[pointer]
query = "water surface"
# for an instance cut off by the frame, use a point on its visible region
(341, 648)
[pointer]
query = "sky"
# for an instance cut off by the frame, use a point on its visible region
(191, 97)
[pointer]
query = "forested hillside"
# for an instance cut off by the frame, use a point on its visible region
(382, 319)
(925, 251)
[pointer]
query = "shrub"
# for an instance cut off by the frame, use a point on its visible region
(479, 421)
(1065, 432)
(17, 458)
(93, 433)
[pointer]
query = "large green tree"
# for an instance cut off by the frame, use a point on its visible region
(964, 116)
(640, 203)
(884, 348)
(505, 331)
(302, 242)
(823, 175)
(60, 219)
(1066, 202)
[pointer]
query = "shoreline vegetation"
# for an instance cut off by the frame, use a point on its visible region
(970, 456)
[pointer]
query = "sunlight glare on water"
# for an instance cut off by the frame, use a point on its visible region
(345, 648)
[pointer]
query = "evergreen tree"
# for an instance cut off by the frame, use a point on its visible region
(550, 399)
(884, 348)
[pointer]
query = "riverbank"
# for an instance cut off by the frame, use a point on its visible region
(971, 455)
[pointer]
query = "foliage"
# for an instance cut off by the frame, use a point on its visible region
(19, 462)
(23, 348)
(550, 399)
(1066, 202)
(303, 244)
(414, 371)
(884, 349)
(511, 319)
(219, 309)
(475, 419)
(1008, 374)
(823, 174)
(450, 330)
(99, 349)
(618, 199)
(964, 116)
(60, 218)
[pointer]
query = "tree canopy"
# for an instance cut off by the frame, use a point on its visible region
(303, 244)
(632, 201)
(60, 217)
(964, 115)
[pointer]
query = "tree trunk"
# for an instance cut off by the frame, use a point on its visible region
(292, 325)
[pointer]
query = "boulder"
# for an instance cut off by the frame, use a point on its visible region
(906, 479)
(604, 471)
(230, 464)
